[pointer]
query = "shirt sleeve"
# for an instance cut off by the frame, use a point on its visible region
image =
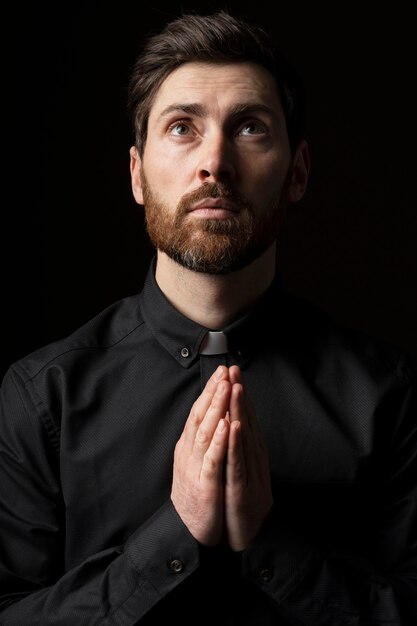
(314, 585)
(119, 585)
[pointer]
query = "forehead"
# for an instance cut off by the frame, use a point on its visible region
(218, 85)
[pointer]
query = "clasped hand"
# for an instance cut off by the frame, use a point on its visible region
(221, 480)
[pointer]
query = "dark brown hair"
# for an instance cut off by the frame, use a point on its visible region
(216, 38)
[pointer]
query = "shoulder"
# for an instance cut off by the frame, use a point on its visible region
(105, 331)
(317, 333)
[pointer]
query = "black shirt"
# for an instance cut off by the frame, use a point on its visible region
(87, 433)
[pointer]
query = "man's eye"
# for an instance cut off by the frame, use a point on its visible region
(252, 128)
(179, 129)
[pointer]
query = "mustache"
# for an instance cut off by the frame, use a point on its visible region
(213, 190)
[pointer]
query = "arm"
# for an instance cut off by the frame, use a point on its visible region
(116, 586)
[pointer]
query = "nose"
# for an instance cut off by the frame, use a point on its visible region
(216, 158)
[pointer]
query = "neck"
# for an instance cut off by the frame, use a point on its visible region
(215, 300)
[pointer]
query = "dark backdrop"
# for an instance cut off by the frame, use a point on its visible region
(73, 236)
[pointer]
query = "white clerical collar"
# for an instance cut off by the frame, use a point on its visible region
(214, 342)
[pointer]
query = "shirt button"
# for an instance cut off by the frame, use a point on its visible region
(266, 575)
(185, 352)
(176, 566)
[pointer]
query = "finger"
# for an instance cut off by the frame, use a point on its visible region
(238, 417)
(213, 462)
(245, 410)
(235, 463)
(235, 374)
(216, 411)
(252, 445)
(200, 407)
(237, 407)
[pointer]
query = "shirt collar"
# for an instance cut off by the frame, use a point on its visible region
(182, 337)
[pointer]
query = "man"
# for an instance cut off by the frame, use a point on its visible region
(213, 450)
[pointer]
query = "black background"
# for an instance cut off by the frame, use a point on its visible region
(73, 237)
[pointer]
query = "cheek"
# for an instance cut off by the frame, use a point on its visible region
(163, 177)
(267, 181)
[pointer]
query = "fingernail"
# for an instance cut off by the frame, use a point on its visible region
(220, 426)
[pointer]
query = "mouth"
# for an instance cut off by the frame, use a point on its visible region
(214, 208)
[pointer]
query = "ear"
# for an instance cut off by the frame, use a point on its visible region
(135, 174)
(299, 172)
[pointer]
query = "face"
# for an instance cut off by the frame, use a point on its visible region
(217, 172)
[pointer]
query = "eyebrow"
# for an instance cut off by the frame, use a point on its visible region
(190, 109)
(199, 110)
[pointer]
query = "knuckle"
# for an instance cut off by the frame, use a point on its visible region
(202, 435)
(195, 417)
(210, 466)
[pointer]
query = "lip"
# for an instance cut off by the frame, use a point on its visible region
(216, 205)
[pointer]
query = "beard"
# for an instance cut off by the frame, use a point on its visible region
(212, 246)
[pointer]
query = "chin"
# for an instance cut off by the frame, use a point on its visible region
(219, 266)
